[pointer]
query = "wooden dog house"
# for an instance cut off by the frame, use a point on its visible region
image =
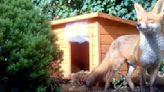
(100, 29)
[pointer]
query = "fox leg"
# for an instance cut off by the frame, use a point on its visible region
(142, 79)
(108, 78)
(153, 78)
(128, 76)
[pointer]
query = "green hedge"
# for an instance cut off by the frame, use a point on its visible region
(26, 46)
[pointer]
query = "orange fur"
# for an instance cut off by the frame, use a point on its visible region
(115, 57)
(129, 49)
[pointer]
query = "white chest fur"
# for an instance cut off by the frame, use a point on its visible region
(152, 47)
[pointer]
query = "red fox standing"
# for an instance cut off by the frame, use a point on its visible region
(145, 50)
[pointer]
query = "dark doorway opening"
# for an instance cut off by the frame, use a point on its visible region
(79, 56)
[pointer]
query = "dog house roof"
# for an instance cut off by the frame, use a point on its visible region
(90, 16)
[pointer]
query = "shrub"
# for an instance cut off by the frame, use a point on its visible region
(27, 47)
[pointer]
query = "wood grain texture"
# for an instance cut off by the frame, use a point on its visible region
(102, 30)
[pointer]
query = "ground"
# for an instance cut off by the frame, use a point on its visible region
(68, 87)
(77, 84)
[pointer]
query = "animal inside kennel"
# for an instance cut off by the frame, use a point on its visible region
(85, 39)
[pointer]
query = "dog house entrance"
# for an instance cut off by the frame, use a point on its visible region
(79, 56)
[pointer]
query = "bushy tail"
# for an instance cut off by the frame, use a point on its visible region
(99, 73)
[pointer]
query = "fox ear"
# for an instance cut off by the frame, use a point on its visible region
(159, 7)
(139, 9)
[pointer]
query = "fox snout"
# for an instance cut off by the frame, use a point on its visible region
(148, 27)
(138, 25)
(142, 27)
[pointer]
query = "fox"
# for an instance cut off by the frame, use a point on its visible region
(145, 50)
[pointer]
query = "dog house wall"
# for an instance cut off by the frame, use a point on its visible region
(102, 29)
(65, 45)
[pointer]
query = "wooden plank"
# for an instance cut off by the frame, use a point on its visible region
(90, 51)
(65, 59)
(62, 42)
(104, 48)
(118, 30)
(65, 44)
(66, 70)
(94, 47)
(60, 36)
(117, 19)
(91, 26)
(61, 29)
(94, 60)
(60, 32)
(54, 27)
(66, 51)
(90, 16)
(107, 39)
(56, 30)
(95, 42)
(95, 39)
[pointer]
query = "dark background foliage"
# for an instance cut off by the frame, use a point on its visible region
(56, 9)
